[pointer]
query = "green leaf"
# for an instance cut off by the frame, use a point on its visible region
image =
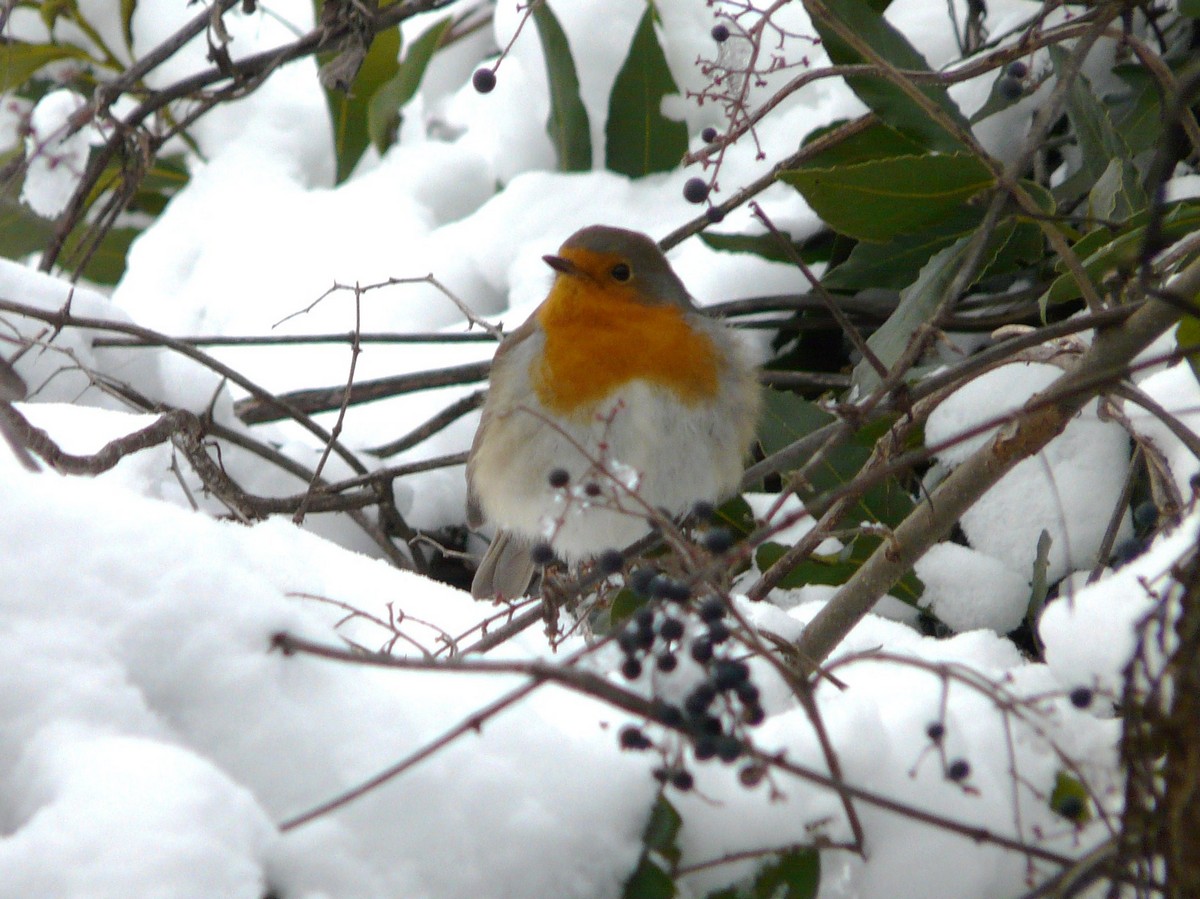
(21, 61)
(650, 879)
(735, 514)
(128, 7)
(877, 141)
(885, 198)
(786, 417)
(383, 109)
(1100, 145)
(624, 604)
(1190, 8)
(788, 875)
(765, 246)
(1187, 337)
(917, 303)
(350, 110)
(1103, 253)
(896, 264)
(639, 139)
(568, 125)
(884, 98)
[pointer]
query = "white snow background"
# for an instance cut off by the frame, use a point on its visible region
(151, 742)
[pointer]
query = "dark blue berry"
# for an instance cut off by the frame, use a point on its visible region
(542, 553)
(695, 190)
(559, 478)
(1081, 697)
(720, 33)
(959, 770)
(484, 80)
(633, 738)
(708, 135)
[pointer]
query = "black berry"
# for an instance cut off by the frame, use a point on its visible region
(729, 749)
(668, 588)
(720, 33)
(706, 747)
(703, 511)
(712, 609)
(667, 714)
(695, 190)
(484, 80)
(591, 488)
(959, 770)
(754, 715)
(936, 731)
(752, 775)
(559, 477)
(667, 662)
(702, 650)
(632, 738)
(1071, 807)
(700, 699)
(631, 668)
(708, 135)
(728, 674)
(671, 629)
(714, 214)
(1017, 69)
(610, 561)
(682, 780)
(717, 540)
(747, 693)
(542, 553)
(1011, 88)
(718, 632)
(641, 579)
(1081, 697)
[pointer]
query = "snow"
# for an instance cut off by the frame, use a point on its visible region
(140, 696)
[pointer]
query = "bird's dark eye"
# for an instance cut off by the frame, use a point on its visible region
(621, 271)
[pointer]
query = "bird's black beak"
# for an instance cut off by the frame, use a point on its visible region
(559, 264)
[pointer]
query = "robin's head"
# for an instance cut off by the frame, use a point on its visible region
(623, 264)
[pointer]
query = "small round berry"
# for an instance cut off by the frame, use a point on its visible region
(671, 629)
(695, 190)
(712, 609)
(559, 478)
(631, 668)
(959, 770)
(709, 134)
(1071, 807)
(754, 715)
(1011, 88)
(718, 632)
(702, 650)
(670, 589)
(1145, 516)
(592, 489)
(632, 738)
(1017, 69)
(729, 749)
(484, 80)
(728, 674)
(630, 641)
(720, 33)
(747, 692)
(682, 780)
(703, 510)
(610, 561)
(935, 731)
(661, 775)
(705, 748)
(542, 553)
(705, 724)
(640, 580)
(717, 540)
(751, 775)
(1081, 697)
(700, 699)
(667, 662)
(714, 214)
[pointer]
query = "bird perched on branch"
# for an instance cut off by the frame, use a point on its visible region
(617, 398)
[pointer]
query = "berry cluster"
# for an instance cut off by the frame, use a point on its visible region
(720, 704)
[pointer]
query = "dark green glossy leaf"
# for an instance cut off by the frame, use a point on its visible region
(21, 61)
(1103, 252)
(793, 875)
(383, 109)
(877, 141)
(350, 110)
(624, 604)
(885, 198)
(736, 515)
(1190, 8)
(568, 123)
(786, 417)
(650, 880)
(639, 139)
(885, 99)
(765, 246)
(918, 301)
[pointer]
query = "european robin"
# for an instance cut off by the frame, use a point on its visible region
(616, 398)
